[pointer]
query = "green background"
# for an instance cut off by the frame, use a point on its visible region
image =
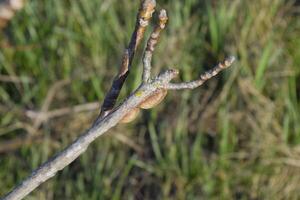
(236, 137)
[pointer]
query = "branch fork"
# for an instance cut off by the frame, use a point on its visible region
(150, 92)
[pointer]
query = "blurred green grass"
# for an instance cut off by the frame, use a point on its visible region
(237, 137)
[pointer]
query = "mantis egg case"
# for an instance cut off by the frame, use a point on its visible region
(129, 117)
(154, 99)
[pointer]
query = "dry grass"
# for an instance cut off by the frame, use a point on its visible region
(235, 138)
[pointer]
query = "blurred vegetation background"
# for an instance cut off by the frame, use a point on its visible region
(237, 137)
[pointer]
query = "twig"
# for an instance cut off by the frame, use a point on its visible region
(143, 18)
(152, 41)
(65, 157)
(111, 117)
(204, 77)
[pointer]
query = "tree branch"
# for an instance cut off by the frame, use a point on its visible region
(143, 18)
(152, 41)
(151, 91)
(204, 77)
(65, 157)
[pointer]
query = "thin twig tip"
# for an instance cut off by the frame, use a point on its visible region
(228, 61)
(163, 18)
(163, 14)
(148, 4)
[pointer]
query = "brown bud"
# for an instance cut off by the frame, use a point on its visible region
(154, 99)
(129, 117)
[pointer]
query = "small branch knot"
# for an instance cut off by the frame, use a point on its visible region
(228, 62)
(143, 22)
(163, 18)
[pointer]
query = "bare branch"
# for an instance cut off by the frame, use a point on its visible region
(143, 18)
(148, 94)
(65, 157)
(204, 77)
(152, 41)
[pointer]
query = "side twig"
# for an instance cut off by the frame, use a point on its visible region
(143, 18)
(204, 77)
(152, 41)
